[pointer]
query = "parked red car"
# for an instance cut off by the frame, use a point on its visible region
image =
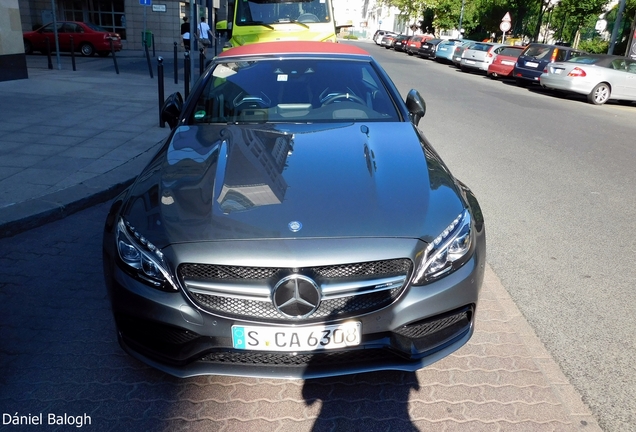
(503, 65)
(88, 38)
(416, 42)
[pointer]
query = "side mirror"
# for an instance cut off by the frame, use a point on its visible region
(171, 109)
(416, 106)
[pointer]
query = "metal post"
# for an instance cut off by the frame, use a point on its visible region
(186, 74)
(201, 60)
(461, 19)
(148, 60)
(152, 38)
(176, 65)
(73, 53)
(48, 52)
(161, 91)
(57, 41)
(617, 24)
(112, 51)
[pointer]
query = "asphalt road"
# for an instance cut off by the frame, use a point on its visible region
(557, 182)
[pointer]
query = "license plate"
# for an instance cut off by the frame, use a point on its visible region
(558, 71)
(442, 49)
(532, 64)
(292, 339)
(470, 62)
(507, 63)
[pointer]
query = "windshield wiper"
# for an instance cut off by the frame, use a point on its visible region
(288, 20)
(261, 23)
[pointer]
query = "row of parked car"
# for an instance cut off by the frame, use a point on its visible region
(561, 69)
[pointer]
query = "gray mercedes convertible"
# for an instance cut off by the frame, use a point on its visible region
(296, 223)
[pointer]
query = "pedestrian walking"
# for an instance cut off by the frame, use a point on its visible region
(204, 35)
(185, 33)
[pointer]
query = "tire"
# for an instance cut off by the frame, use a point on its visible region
(520, 82)
(28, 47)
(87, 49)
(599, 94)
(492, 75)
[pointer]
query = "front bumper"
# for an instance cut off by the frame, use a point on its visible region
(423, 325)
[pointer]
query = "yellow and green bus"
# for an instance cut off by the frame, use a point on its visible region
(256, 21)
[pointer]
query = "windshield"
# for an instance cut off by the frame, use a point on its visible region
(250, 12)
(294, 90)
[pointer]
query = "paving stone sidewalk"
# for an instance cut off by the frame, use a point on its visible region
(67, 139)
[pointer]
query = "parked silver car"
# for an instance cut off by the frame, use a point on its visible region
(296, 223)
(599, 77)
(479, 56)
(459, 52)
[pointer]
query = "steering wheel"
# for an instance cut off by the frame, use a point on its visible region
(339, 97)
(308, 17)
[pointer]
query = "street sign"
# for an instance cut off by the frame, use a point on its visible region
(145, 2)
(506, 17)
(505, 26)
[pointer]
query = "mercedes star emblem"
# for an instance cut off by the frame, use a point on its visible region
(296, 296)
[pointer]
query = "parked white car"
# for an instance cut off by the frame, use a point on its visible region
(600, 77)
(479, 56)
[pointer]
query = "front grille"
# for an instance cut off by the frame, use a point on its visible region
(419, 330)
(217, 272)
(333, 309)
(308, 360)
(243, 306)
(213, 272)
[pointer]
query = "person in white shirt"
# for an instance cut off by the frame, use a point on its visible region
(203, 30)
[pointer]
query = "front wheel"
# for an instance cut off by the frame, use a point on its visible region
(87, 49)
(599, 94)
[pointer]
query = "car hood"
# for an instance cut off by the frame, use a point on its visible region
(247, 182)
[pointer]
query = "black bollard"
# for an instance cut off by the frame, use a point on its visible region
(176, 65)
(148, 61)
(112, 51)
(201, 61)
(186, 74)
(73, 53)
(48, 53)
(161, 94)
(152, 38)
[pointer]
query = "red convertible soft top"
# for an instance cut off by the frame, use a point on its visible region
(293, 47)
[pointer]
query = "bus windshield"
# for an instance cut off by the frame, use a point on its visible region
(268, 12)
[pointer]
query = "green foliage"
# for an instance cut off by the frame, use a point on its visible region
(350, 36)
(529, 17)
(594, 46)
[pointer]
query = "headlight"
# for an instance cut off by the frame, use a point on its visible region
(449, 251)
(143, 259)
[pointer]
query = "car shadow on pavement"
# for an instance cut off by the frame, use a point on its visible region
(363, 402)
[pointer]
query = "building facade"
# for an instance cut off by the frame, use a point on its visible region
(129, 18)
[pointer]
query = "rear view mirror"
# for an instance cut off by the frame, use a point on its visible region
(416, 106)
(171, 109)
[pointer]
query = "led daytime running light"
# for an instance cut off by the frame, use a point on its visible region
(446, 249)
(139, 253)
